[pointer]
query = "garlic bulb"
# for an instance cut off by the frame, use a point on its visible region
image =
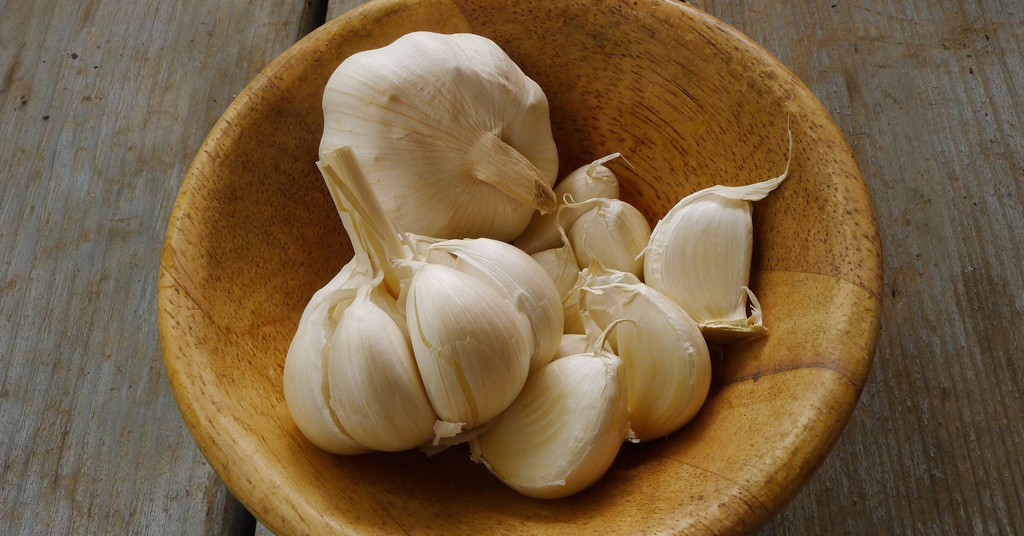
(699, 255)
(565, 428)
(668, 368)
(306, 388)
(593, 276)
(612, 231)
(586, 182)
(519, 277)
(455, 138)
(471, 345)
(560, 263)
(375, 387)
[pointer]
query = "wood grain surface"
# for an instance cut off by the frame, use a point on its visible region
(102, 106)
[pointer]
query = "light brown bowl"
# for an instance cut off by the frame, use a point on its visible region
(691, 102)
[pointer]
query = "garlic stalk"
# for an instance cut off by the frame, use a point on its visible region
(594, 275)
(668, 368)
(471, 345)
(375, 387)
(564, 430)
(586, 182)
(612, 231)
(699, 255)
(560, 262)
(515, 275)
(455, 138)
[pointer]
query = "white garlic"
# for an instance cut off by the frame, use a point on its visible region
(471, 345)
(455, 138)
(565, 428)
(613, 232)
(525, 283)
(668, 368)
(306, 388)
(592, 276)
(586, 182)
(699, 255)
(375, 387)
(560, 263)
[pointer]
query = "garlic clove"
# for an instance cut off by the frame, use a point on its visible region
(472, 347)
(375, 387)
(306, 388)
(563, 431)
(699, 255)
(586, 182)
(522, 280)
(613, 232)
(592, 276)
(455, 138)
(668, 367)
(560, 262)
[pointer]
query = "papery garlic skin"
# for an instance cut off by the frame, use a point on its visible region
(563, 431)
(668, 367)
(699, 255)
(525, 282)
(584, 183)
(592, 276)
(306, 388)
(472, 347)
(375, 387)
(613, 232)
(455, 139)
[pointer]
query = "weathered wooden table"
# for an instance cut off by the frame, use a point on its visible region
(103, 104)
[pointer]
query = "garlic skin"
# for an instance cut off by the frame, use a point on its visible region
(592, 276)
(526, 284)
(584, 183)
(699, 255)
(472, 347)
(668, 367)
(375, 387)
(613, 232)
(455, 139)
(563, 431)
(306, 388)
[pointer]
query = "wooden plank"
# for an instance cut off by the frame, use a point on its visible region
(104, 105)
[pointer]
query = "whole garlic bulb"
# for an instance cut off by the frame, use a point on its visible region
(471, 345)
(306, 387)
(699, 255)
(613, 232)
(455, 139)
(375, 387)
(668, 367)
(564, 430)
(586, 182)
(525, 282)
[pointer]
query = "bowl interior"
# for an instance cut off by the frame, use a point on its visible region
(691, 103)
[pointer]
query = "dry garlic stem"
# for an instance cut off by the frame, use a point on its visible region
(565, 428)
(613, 232)
(587, 182)
(668, 368)
(455, 138)
(699, 255)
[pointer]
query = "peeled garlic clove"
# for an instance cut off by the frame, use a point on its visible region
(613, 232)
(594, 275)
(375, 387)
(455, 139)
(699, 255)
(525, 282)
(563, 431)
(668, 368)
(471, 346)
(586, 182)
(306, 388)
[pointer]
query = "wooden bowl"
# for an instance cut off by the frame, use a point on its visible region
(691, 102)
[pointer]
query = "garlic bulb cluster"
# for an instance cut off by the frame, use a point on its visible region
(546, 355)
(445, 124)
